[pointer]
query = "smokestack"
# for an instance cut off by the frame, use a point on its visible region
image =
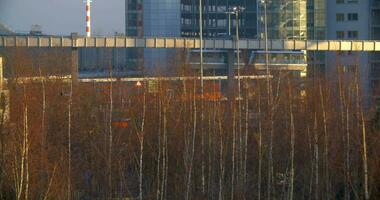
(88, 17)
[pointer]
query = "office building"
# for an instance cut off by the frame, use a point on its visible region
(151, 18)
(349, 21)
(374, 69)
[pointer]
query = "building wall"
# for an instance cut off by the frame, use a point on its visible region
(161, 19)
(286, 19)
(374, 70)
(348, 20)
(215, 19)
(134, 28)
(29, 62)
(316, 30)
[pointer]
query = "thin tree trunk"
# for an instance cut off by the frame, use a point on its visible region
(365, 159)
(210, 152)
(159, 150)
(43, 136)
(110, 137)
(26, 146)
(141, 136)
(292, 143)
(270, 186)
(50, 182)
(311, 162)
(344, 114)
(326, 146)
(316, 157)
(69, 140)
(188, 184)
(260, 146)
(233, 152)
(166, 161)
(164, 158)
(245, 176)
(364, 137)
(221, 151)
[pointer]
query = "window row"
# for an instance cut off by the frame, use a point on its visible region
(350, 35)
(346, 1)
(340, 17)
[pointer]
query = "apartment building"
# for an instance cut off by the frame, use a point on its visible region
(348, 20)
(374, 64)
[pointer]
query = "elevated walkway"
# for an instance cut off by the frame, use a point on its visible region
(186, 43)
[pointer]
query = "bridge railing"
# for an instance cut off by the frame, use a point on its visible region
(187, 43)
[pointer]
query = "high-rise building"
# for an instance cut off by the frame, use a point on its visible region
(375, 57)
(348, 20)
(316, 30)
(287, 19)
(151, 18)
(216, 20)
(134, 28)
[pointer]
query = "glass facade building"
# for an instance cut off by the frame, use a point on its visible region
(151, 18)
(375, 57)
(286, 19)
(134, 28)
(216, 21)
(316, 30)
(160, 19)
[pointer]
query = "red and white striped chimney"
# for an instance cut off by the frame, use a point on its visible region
(88, 18)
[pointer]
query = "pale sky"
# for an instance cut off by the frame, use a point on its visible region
(63, 16)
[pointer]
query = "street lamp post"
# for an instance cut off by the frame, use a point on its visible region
(264, 3)
(201, 43)
(229, 13)
(236, 10)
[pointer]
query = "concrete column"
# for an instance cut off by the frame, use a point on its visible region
(1, 74)
(4, 94)
(231, 73)
(74, 64)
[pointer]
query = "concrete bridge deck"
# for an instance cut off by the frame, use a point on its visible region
(186, 43)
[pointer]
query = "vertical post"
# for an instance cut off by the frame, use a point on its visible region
(266, 40)
(202, 89)
(1, 74)
(238, 51)
(231, 73)
(201, 42)
(229, 24)
(4, 94)
(74, 64)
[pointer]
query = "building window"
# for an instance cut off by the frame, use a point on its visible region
(339, 17)
(339, 1)
(352, 16)
(340, 35)
(353, 34)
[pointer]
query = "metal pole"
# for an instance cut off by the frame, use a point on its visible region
(238, 49)
(229, 24)
(1, 74)
(201, 42)
(266, 38)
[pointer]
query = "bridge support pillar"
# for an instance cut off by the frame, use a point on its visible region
(74, 64)
(231, 74)
(1, 74)
(4, 95)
